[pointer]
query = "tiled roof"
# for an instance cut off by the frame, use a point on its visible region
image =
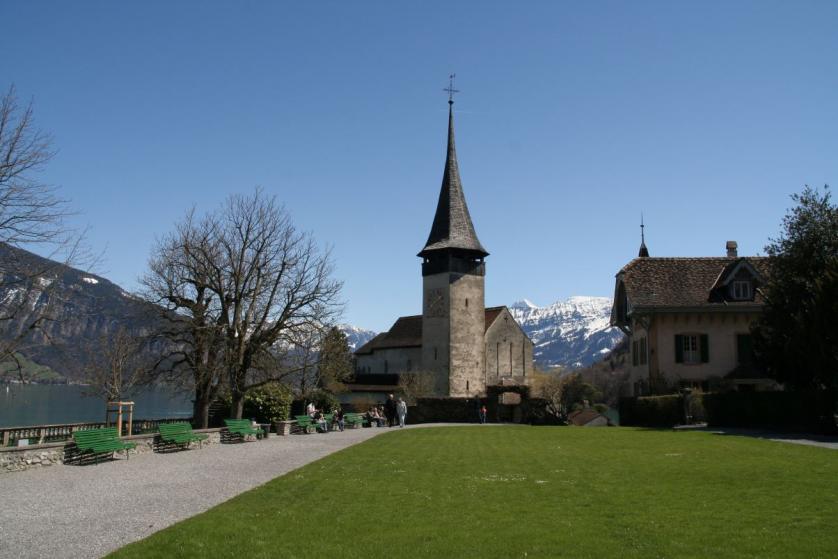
(452, 226)
(491, 314)
(683, 282)
(583, 417)
(407, 332)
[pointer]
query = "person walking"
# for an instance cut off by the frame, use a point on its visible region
(390, 410)
(338, 418)
(401, 411)
(483, 414)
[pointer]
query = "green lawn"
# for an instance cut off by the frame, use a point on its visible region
(518, 491)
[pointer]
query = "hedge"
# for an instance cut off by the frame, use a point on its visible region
(810, 411)
(652, 411)
(800, 410)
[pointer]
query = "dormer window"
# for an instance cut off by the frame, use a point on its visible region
(741, 290)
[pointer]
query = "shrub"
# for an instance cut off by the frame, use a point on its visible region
(652, 411)
(268, 403)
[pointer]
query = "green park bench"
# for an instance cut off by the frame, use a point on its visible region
(306, 423)
(242, 428)
(100, 442)
(329, 418)
(179, 434)
(353, 420)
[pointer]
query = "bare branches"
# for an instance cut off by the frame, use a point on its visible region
(30, 211)
(31, 214)
(243, 285)
(118, 365)
(272, 282)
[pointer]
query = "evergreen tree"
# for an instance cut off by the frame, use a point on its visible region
(796, 338)
(335, 366)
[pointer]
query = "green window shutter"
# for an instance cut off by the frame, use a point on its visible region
(705, 349)
(679, 348)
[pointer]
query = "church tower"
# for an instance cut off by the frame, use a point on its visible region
(453, 307)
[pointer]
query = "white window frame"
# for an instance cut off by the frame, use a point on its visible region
(691, 349)
(741, 290)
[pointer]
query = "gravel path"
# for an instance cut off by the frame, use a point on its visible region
(89, 511)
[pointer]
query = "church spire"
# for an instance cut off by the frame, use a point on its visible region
(644, 252)
(452, 227)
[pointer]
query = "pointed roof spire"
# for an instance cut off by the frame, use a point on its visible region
(644, 252)
(452, 226)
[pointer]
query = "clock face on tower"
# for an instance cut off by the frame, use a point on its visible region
(435, 303)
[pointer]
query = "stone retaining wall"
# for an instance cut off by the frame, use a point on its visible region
(15, 459)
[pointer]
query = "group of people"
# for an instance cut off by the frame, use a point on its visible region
(388, 414)
(320, 419)
(393, 412)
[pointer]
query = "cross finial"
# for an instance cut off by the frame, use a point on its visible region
(642, 236)
(450, 89)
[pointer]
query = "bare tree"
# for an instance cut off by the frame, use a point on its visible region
(118, 365)
(272, 282)
(189, 329)
(550, 386)
(244, 286)
(32, 215)
(301, 359)
(417, 384)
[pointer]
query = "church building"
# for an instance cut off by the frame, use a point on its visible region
(460, 343)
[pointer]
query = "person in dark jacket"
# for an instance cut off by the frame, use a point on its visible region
(390, 411)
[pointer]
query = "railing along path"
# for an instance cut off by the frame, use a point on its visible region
(40, 434)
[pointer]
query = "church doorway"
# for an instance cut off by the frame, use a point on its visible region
(509, 407)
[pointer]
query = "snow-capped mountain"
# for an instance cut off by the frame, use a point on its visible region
(355, 336)
(571, 333)
(73, 309)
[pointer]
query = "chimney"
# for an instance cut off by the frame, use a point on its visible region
(731, 247)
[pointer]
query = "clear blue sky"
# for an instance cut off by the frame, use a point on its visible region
(573, 118)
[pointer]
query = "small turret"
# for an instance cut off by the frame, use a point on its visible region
(644, 252)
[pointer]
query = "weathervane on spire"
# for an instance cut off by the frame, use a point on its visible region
(450, 89)
(644, 252)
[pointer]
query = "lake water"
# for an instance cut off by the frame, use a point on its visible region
(43, 404)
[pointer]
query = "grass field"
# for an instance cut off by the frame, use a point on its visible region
(518, 491)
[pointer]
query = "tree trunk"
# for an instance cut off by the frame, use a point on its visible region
(237, 408)
(200, 413)
(200, 408)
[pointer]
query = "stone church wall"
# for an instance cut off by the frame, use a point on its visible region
(390, 361)
(508, 350)
(435, 331)
(468, 324)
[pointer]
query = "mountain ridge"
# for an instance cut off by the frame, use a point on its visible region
(85, 307)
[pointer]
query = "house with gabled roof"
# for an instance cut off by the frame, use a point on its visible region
(688, 320)
(460, 345)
